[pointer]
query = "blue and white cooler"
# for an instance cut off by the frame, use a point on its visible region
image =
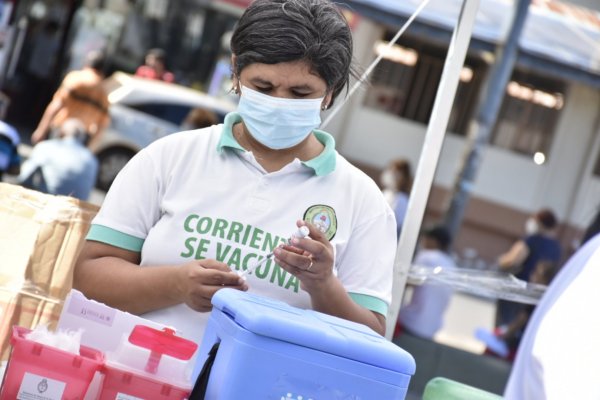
(259, 348)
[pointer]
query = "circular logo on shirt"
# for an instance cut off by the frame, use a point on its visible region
(323, 217)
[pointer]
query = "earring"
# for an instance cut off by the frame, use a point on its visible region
(324, 107)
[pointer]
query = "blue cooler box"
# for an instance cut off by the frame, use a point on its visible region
(270, 350)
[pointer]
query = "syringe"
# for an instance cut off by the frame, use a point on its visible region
(302, 232)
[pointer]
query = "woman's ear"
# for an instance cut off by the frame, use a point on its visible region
(326, 101)
(234, 75)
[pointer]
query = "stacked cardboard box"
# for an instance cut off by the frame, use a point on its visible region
(40, 238)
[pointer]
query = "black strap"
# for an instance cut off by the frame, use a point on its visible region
(201, 384)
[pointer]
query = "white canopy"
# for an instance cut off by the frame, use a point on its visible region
(560, 32)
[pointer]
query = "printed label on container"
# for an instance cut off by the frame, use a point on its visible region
(123, 396)
(93, 311)
(35, 387)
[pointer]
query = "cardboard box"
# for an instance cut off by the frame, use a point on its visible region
(40, 239)
(41, 236)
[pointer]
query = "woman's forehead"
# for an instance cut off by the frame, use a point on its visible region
(288, 74)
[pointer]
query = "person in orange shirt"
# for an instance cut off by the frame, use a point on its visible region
(81, 95)
(155, 67)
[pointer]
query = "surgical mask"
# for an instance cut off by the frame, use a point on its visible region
(276, 122)
(531, 226)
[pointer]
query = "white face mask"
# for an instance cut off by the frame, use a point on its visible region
(531, 226)
(276, 122)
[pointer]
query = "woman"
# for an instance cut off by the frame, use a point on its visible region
(539, 245)
(193, 208)
(396, 180)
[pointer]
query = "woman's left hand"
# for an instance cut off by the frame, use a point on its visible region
(310, 259)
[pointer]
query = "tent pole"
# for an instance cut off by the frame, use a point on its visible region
(430, 154)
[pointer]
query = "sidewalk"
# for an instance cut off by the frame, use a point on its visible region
(465, 314)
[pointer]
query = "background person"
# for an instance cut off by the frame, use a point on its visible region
(423, 315)
(396, 180)
(189, 211)
(81, 95)
(505, 340)
(538, 245)
(155, 67)
(199, 118)
(62, 165)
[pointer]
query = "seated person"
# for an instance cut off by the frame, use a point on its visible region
(62, 166)
(423, 315)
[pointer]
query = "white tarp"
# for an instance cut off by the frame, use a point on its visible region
(570, 35)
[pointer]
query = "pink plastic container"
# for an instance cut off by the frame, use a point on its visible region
(121, 383)
(35, 370)
(149, 365)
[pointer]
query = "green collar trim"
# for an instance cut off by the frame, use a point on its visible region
(227, 139)
(322, 164)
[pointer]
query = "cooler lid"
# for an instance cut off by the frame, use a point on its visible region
(311, 329)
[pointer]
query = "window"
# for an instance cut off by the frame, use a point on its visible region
(173, 113)
(529, 114)
(406, 80)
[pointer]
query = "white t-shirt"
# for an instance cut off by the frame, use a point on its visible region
(559, 356)
(424, 314)
(198, 194)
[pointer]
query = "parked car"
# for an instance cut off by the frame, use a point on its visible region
(142, 111)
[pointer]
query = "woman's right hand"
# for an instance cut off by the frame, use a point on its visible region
(199, 280)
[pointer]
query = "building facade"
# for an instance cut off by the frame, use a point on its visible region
(544, 150)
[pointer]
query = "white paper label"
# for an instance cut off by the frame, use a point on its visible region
(35, 387)
(123, 396)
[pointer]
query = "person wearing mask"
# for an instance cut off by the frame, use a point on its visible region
(423, 315)
(538, 245)
(82, 96)
(62, 165)
(155, 67)
(396, 181)
(559, 352)
(193, 209)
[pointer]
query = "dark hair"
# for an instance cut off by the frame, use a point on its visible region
(158, 54)
(200, 118)
(95, 59)
(441, 236)
(547, 218)
(315, 31)
(402, 170)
